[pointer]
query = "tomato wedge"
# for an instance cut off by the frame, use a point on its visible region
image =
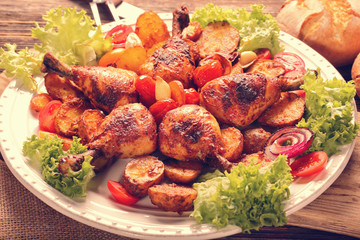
(291, 61)
(47, 116)
(207, 72)
(309, 164)
(263, 53)
(119, 34)
(120, 194)
(191, 96)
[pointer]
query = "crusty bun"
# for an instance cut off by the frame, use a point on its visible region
(355, 74)
(331, 27)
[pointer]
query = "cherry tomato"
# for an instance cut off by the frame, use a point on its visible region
(191, 96)
(39, 101)
(47, 116)
(119, 34)
(309, 164)
(263, 53)
(291, 61)
(120, 194)
(145, 86)
(111, 57)
(207, 72)
(161, 107)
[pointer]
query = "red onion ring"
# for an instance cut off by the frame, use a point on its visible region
(291, 141)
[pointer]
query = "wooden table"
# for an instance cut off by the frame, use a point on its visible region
(334, 215)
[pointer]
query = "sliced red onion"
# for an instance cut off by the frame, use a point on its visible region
(291, 141)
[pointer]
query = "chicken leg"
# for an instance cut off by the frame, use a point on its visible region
(106, 87)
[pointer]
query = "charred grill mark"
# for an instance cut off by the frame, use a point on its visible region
(164, 57)
(189, 129)
(180, 45)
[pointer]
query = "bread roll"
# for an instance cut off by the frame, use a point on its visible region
(331, 27)
(355, 74)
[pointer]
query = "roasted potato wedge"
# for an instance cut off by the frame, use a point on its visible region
(192, 31)
(151, 29)
(268, 67)
(218, 37)
(287, 111)
(89, 122)
(142, 173)
(182, 171)
(68, 116)
(255, 139)
(172, 197)
(233, 143)
(61, 88)
(132, 58)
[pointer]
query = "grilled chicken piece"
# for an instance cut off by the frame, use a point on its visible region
(128, 131)
(107, 88)
(180, 20)
(175, 60)
(189, 132)
(239, 99)
(255, 139)
(233, 143)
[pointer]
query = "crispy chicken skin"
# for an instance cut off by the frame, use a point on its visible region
(239, 99)
(189, 132)
(107, 88)
(174, 61)
(128, 131)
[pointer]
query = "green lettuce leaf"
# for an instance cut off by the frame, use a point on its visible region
(69, 34)
(249, 197)
(47, 152)
(256, 29)
(329, 113)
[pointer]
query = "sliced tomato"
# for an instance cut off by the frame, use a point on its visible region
(291, 61)
(111, 57)
(263, 53)
(119, 34)
(47, 116)
(145, 86)
(161, 107)
(191, 96)
(309, 164)
(39, 101)
(207, 72)
(120, 194)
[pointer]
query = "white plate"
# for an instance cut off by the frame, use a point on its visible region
(99, 210)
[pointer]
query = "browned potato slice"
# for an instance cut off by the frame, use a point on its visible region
(287, 111)
(268, 67)
(255, 139)
(233, 143)
(182, 171)
(89, 123)
(68, 117)
(151, 29)
(61, 88)
(172, 197)
(218, 37)
(142, 173)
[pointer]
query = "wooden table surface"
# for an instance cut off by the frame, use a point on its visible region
(334, 215)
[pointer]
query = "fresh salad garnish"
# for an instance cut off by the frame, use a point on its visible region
(329, 113)
(69, 34)
(256, 29)
(249, 197)
(46, 152)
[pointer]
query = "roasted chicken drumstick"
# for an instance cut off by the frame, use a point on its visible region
(239, 99)
(107, 88)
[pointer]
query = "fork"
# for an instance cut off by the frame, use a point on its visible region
(95, 10)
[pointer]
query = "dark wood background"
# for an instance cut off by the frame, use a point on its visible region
(336, 221)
